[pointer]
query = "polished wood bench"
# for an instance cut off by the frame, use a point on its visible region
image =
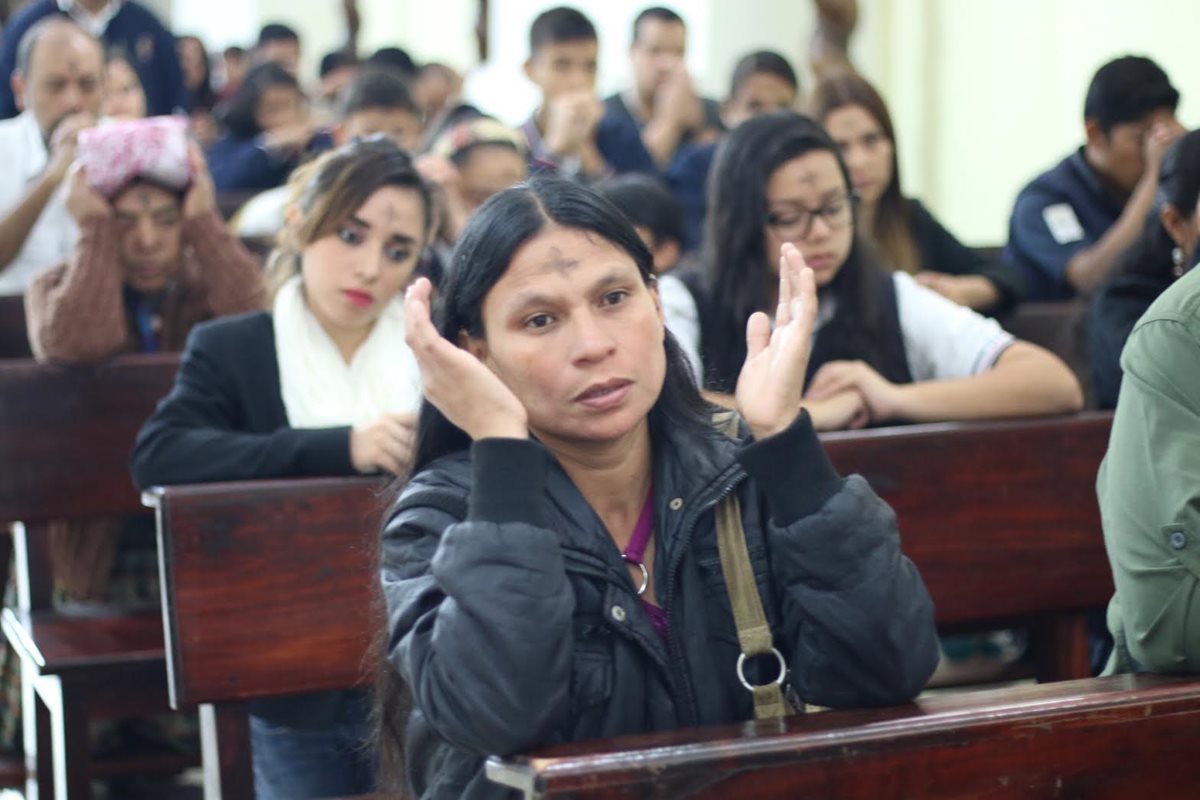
(270, 588)
(1119, 737)
(294, 562)
(1002, 520)
(65, 438)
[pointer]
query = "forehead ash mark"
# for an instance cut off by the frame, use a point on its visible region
(558, 261)
(807, 177)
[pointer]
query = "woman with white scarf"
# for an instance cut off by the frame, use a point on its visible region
(323, 384)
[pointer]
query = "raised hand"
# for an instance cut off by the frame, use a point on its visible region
(65, 140)
(771, 384)
(386, 444)
(882, 397)
(83, 202)
(201, 196)
(468, 393)
(1159, 139)
(677, 100)
(571, 119)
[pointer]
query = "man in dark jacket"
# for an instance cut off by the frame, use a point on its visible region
(121, 24)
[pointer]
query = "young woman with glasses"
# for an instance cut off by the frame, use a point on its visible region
(886, 348)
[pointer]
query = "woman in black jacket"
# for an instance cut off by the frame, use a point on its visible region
(322, 385)
(552, 572)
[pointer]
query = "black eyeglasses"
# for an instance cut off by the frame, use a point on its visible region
(795, 225)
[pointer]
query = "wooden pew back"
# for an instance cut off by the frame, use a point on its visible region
(1125, 736)
(1001, 518)
(65, 438)
(269, 587)
(66, 434)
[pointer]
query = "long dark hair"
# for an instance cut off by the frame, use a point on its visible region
(202, 97)
(1179, 185)
(500, 227)
(739, 280)
(891, 227)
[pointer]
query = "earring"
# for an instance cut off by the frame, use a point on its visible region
(1177, 260)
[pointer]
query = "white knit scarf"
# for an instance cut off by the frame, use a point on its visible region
(319, 389)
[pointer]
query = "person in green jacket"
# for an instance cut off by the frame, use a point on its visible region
(1149, 490)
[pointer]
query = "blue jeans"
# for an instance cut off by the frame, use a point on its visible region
(307, 762)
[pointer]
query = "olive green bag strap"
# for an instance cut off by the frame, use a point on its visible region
(754, 634)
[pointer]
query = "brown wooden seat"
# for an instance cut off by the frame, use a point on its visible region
(65, 438)
(294, 562)
(1001, 519)
(1125, 736)
(86, 637)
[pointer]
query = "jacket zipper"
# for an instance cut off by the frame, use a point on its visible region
(674, 649)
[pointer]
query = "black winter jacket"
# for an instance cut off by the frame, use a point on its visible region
(518, 627)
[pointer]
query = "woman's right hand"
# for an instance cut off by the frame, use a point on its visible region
(386, 444)
(468, 393)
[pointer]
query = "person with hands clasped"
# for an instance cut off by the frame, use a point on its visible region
(886, 348)
(663, 105)
(154, 258)
(551, 569)
(323, 384)
(567, 133)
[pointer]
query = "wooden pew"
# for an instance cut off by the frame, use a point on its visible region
(1002, 520)
(294, 561)
(14, 341)
(65, 438)
(1119, 737)
(269, 589)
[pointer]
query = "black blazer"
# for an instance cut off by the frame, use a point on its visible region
(224, 419)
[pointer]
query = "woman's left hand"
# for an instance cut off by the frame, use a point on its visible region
(771, 384)
(881, 396)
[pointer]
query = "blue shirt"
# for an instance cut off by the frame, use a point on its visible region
(1063, 211)
(149, 47)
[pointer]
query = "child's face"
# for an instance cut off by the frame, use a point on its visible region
(560, 68)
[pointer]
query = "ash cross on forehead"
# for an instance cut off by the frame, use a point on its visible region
(145, 198)
(808, 176)
(557, 260)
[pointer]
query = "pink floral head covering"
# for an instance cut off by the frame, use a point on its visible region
(156, 149)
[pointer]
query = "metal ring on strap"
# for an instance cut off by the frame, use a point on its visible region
(741, 664)
(645, 573)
